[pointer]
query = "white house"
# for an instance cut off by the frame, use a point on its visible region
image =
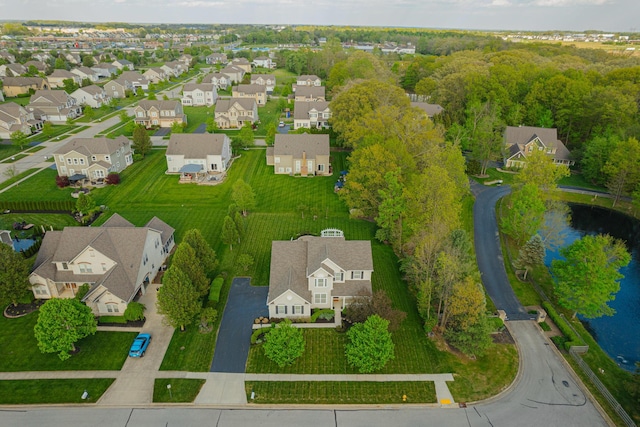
(93, 96)
(311, 114)
(194, 94)
(193, 155)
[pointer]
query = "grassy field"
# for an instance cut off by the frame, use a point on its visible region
(41, 186)
(17, 177)
(313, 392)
(19, 350)
(21, 392)
(196, 116)
(183, 390)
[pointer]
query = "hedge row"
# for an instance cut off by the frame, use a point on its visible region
(326, 313)
(256, 333)
(40, 205)
(216, 287)
(561, 322)
(32, 250)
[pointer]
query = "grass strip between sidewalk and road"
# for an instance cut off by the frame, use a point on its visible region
(50, 391)
(183, 390)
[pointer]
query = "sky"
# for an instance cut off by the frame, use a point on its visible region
(525, 15)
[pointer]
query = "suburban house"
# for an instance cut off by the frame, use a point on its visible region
(174, 68)
(155, 75)
(216, 58)
(93, 158)
(308, 80)
(242, 63)
(219, 80)
(264, 62)
(14, 117)
(55, 106)
(309, 93)
(93, 96)
(118, 260)
(86, 73)
(317, 273)
(313, 114)
(41, 56)
(38, 65)
(118, 88)
(121, 64)
(12, 70)
(135, 79)
(57, 78)
(194, 94)
(235, 74)
(159, 113)
(105, 70)
(14, 86)
(235, 112)
(521, 140)
(268, 80)
(431, 109)
(73, 58)
(7, 56)
(186, 59)
(193, 155)
(302, 154)
(256, 92)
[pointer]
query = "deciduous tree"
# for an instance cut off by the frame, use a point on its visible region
(623, 168)
(284, 343)
(541, 172)
(523, 214)
(588, 276)
(243, 196)
(205, 254)
(531, 254)
(370, 346)
(229, 232)
(178, 299)
(141, 140)
(19, 138)
(14, 273)
(61, 324)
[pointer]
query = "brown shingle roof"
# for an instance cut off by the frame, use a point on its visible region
(301, 108)
(223, 105)
(294, 145)
(196, 146)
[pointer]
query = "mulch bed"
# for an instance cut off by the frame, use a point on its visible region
(503, 337)
(22, 309)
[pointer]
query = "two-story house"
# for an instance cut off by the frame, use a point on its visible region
(12, 70)
(219, 80)
(92, 95)
(195, 95)
(300, 154)
(173, 68)
(268, 80)
(307, 80)
(55, 106)
(121, 64)
(57, 78)
(317, 273)
(235, 112)
(117, 260)
(310, 93)
(241, 63)
(85, 73)
(38, 65)
(105, 70)
(118, 88)
(235, 74)
(312, 114)
(14, 86)
(256, 92)
(193, 154)
(216, 58)
(155, 75)
(135, 79)
(522, 140)
(159, 113)
(264, 62)
(93, 158)
(14, 117)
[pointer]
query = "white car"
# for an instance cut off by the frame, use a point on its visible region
(281, 125)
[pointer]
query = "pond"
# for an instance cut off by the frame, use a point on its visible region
(618, 335)
(22, 244)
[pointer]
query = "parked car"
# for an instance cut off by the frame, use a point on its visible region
(139, 345)
(281, 125)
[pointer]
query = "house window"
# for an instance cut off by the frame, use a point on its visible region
(68, 161)
(214, 166)
(113, 308)
(40, 290)
(107, 158)
(82, 161)
(320, 168)
(321, 282)
(357, 274)
(281, 309)
(319, 298)
(61, 158)
(94, 158)
(339, 277)
(298, 309)
(65, 266)
(140, 114)
(85, 268)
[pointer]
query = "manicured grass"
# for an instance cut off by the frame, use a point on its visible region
(313, 392)
(16, 178)
(14, 158)
(113, 128)
(80, 129)
(577, 180)
(35, 149)
(57, 221)
(20, 100)
(196, 116)
(494, 174)
(9, 150)
(98, 113)
(270, 113)
(40, 186)
(56, 131)
(190, 350)
(26, 392)
(19, 349)
(183, 390)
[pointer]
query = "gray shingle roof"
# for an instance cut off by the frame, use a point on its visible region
(223, 105)
(430, 109)
(313, 91)
(205, 87)
(301, 108)
(250, 89)
(196, 146)
(518, 136)
(94, 146)
(294, 145)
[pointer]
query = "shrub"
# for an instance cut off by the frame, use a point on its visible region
(325, 314)
(62, 181)
(284, 344)
(474, 167)
(82, 291)
(216, 287)
(571, 338)
(113, 178)
(257, 333)
(134, 311)
(112, 319)
(208, 316)
(137, 157)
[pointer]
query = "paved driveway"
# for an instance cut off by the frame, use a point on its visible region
(245, 303)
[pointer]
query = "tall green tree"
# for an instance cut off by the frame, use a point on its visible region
(369, 345)
(186, 259)
(61, 324)
(88, 112)
(229, 232)
(588, 276)
(85, 204)
(243, 196)
(390, 212)
(484, 126)
(284, 343)
(70, 85)
(14, 273)
(531, 254)
(141, 140)
(19, 138)
(595, 155)
(205, 254)
(245, 138)
(623, 168)
(523, 214)
(178, 299)
(541, 172)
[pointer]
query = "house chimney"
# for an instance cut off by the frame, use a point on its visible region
(303, 170)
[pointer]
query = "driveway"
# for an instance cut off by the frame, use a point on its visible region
(244, 304)
(202, 128)
(162, 132)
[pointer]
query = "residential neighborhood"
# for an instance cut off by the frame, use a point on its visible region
(248, 216)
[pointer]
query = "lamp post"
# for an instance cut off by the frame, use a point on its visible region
(170, 394)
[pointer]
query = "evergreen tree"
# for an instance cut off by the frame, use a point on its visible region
(141, 140)
(531, 254)
(229, 232)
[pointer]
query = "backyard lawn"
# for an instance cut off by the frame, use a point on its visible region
(41, 186)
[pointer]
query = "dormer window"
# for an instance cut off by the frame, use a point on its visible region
(357, 274)
(321, 282)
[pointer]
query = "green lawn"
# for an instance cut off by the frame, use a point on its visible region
(20, 100)
(56, 131)
(14, 158)
(196, 116)
(48, 221)
(16, 178)
(313, 392)
(9, 150)
(21, 392)
(183, 390)
(270, 113)
(19, 350)
(41, 186)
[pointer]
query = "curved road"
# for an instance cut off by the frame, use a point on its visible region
(544, 394)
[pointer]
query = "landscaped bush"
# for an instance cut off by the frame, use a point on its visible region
(326, 314)
(113, 178)
(134, 311)
(495, 323)
(82, 291)
(112, 319)
(62, 181)
(474, 167)
(571, 338)
(216, 287)
(255, 336)
(137, 157)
